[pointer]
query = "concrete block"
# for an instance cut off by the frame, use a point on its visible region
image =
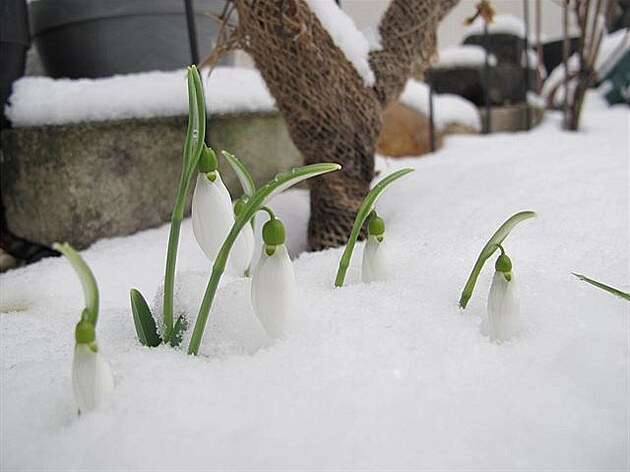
(82, 182)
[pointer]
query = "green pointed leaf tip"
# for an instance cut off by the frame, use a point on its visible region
(601, 286)
(244, 176)
(88, 282)
(491, 246)
(364, 211)
(278, 184)
(196, 132)
(143, 320)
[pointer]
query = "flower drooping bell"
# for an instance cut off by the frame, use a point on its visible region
(273, 283)
(92, 378)
(375, 265)
(212, 213)
(241, 255)
(503, 307)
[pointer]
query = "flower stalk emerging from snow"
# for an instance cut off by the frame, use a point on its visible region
(375, 264)
(254, 203)
(364, 211)
(273, 283)
(490, 248)
(503, 308)
(92, 378)
(193, 147)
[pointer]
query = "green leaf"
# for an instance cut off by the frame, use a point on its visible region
(196, 132)
(278, 184)
(194, 144)
(366, 207)
(181, 325)
(491, 246)
(607, 288)
(146, 328)
(244, 177)
(88, 282)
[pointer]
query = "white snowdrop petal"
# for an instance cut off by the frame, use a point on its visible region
(212, 214)
(92, 378)
(242, 251)
(503, 309)
(375, 265)
(273, 291)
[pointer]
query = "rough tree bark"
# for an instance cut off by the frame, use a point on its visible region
(330, 114)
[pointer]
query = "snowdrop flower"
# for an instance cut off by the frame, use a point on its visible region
(375, 266)
(212, 213)
(273, 283)
(503, 308)
(241, 255)
(92, 378)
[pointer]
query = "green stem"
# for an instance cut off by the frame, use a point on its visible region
(88, 282)
(364, 211)
(269, 211)
(171, 258)
(211, 289)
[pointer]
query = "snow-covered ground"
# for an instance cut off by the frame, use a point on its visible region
(385, 375)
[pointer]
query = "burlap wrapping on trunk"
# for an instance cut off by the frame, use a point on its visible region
(330, 114)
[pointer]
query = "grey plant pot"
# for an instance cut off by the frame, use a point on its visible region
(99, 38)
(14, 42)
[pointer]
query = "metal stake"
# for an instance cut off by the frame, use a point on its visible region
(192, 32)
(431, 117)
(565, 61)
(526, 83)
(486, 73)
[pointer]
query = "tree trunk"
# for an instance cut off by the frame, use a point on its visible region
(330, 114)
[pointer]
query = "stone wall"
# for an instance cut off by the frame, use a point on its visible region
(82, 182)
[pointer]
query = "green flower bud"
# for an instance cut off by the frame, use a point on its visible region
(273, 233)
(376, 226)
(503, 264)
(208, 161)
(84, 333)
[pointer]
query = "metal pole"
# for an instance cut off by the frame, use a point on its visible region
(539, 48)
(192, 32)
(565, 61)
(526, 83)
(486, 73)
(431, 116)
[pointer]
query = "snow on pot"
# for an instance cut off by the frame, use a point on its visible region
(96, 38)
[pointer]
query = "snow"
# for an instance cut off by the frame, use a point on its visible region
(38, 101)
(501, 24)
(613, 48)
(447, 108)
(467, 55)
(373, 35)
(370, 376)
(346, 36)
